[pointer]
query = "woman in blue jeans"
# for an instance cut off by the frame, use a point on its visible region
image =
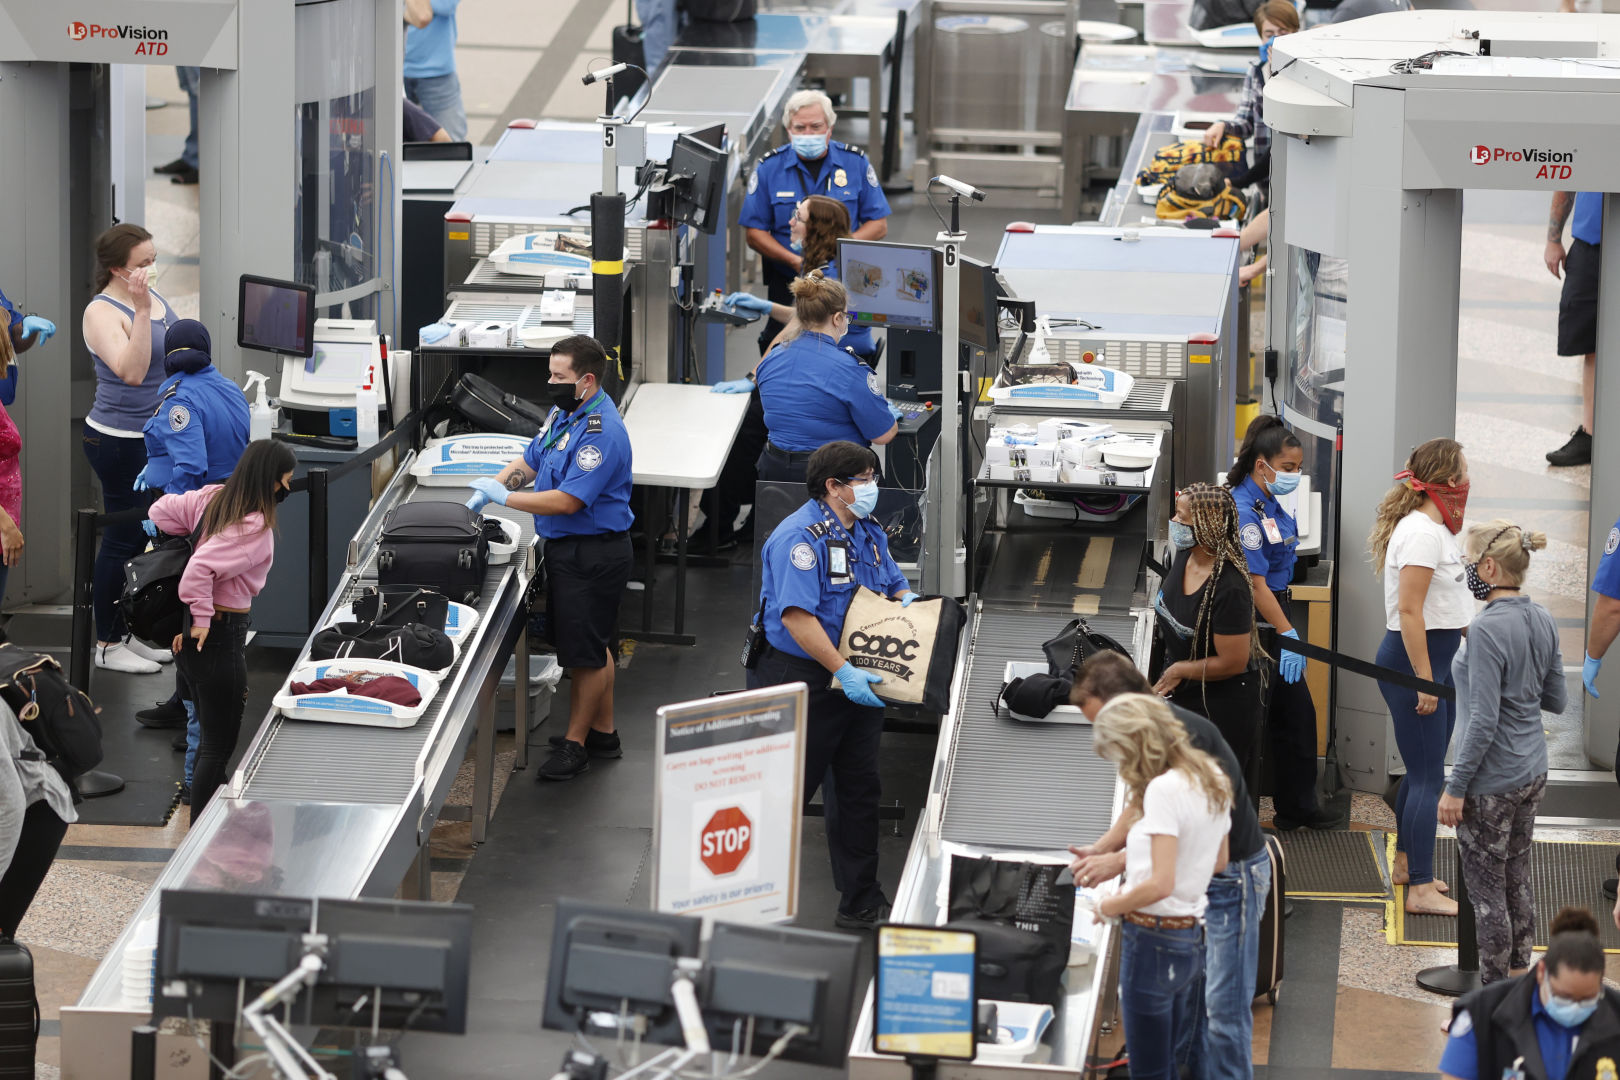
(1182, 804)
(1426, 605)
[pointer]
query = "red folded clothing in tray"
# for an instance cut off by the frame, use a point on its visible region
(390, 688)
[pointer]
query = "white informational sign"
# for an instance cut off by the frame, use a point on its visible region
(730, 795)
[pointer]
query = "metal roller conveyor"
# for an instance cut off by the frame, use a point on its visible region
(339, 810)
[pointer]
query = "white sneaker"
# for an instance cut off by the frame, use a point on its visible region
(146, 652)
(119, 657)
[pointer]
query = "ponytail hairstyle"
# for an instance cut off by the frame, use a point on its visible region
(826, 221)
(1143, 738)
(1507, 543)
(1215, 529)
(1438, 461)
(1574, 943)
(113, 248)
(1267, 437)
(817, 298)
(251, 488)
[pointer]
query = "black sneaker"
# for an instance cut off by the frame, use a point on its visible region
(185, 794)
(1317, 819)
(864, 919)
(1578, 451)
(179, 743)
(603, 744)
(566, 762)
(1610, 886)
(187, 175)
(163, 716)
(177, 165)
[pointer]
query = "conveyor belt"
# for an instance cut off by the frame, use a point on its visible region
(1015, 783)
(1060, 568)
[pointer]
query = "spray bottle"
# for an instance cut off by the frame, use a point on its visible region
(1038, 353)
(262, 418)
(365, 410)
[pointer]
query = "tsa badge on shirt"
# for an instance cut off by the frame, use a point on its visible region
(179, 417)
(588, 458)
(1251, 537)
(1613, 542)
(803, 556)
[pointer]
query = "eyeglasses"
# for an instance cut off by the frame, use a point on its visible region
(870, 478)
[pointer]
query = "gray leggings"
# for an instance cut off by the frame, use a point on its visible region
(1493, 842)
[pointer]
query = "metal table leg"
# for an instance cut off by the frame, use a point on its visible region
(649, 534)
(484, 759)
(520, 703)
(683, 499)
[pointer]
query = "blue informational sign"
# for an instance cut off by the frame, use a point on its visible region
(926, 1004)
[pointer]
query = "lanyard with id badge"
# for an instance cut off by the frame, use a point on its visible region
(841, 556)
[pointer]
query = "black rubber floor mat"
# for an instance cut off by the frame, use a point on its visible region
(142, 802)
(1332, 865)
(1562, 874)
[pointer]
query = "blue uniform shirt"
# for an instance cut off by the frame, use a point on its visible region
(1275, 560)
(1587, 218)
(585, 454)
(1606, 582)
(198, 432)
(781, 180)
(797, 571)
(12, 316)
(815, 393)
(1557, 1043)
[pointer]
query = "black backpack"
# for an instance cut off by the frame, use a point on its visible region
(150, 602)
(401, 605)
(61, 717)
(418, 646)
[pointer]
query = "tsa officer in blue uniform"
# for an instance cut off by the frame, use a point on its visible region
(1268, 466)
(811, 164)
(813, 392)
(26, 330)
(1600, 634)
(813, 563)
(577, 471)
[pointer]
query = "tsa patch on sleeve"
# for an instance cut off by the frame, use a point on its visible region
(753, 181)
(588, 458)
(803, 556)
(872, 383)
(1613, 542)
(1251, 537)
(1461, 1024)
(871, 175)
(179, 417)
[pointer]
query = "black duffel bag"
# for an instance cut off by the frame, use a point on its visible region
(150, 603)
(489, 408)
(400, 605)
(418, 646)
(1023, 914)
(1074, 645)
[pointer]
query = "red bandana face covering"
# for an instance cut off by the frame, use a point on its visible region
(1450, 499)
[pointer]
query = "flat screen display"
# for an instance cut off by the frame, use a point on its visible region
(337, 366)
(275, 316)
(890, 285)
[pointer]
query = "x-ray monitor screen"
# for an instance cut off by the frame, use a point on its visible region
(275, 316)
(890, 285)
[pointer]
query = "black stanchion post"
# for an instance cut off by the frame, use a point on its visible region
(319, 588)
(143, 1053)
(1455, 980)
(94, 783)
(1332, 773)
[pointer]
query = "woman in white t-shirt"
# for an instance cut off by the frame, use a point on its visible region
(1426, 606)
(1182, 805)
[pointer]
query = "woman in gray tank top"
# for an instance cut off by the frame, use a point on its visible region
(124, 325)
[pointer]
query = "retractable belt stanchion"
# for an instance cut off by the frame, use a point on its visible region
(1455, 980)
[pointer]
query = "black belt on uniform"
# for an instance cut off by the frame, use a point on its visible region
(789, 658)
(622, 534)
(1283, 595)
(792, 457)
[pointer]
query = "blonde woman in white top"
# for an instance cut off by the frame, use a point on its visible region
(1182, 804)
(1427, 605)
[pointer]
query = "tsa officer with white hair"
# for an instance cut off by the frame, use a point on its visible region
(810, 164)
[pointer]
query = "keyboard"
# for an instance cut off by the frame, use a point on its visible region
(914, 414)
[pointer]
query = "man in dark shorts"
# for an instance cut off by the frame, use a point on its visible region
(1578, 307)
(575, 479)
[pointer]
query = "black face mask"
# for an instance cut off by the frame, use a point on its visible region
(564, 395)
(282, 493)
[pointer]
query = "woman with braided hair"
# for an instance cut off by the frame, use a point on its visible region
(1206, 620)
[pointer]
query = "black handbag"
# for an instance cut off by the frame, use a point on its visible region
(150, 602)
(1023, 914)
(1074, 645)
(400, 605)
(418, 646)
(489, 408)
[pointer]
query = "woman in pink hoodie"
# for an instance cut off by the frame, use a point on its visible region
(225, 573)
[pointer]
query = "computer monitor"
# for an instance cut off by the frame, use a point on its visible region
(979, 293)
(890, 285)
(275, 316)
(779, 976)
(697, 172)
(218, 945)
(606, 958)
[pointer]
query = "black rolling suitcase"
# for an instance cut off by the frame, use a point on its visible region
(1268, 981)
(19, 1011)
(434, 545)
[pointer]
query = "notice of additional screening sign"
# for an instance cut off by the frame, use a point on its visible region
(925, 1004)
(729, 798)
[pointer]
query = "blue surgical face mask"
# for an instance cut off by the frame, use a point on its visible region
(866, 497)
(1570, 1014)
(1283, 483)
(1181, 536)
(796, 246)
(810, 147)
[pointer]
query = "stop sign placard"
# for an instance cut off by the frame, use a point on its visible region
(725, 841)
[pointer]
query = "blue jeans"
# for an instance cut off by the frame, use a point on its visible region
(193, 738)
(190, 79)
(440, 95)
(1219, 1045)
(1422, 741)
(116, 461)
(1160, 975)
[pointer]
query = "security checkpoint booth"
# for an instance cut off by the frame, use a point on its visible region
(1382, 125)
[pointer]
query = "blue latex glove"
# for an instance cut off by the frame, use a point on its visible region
(735, 386)
(857, 685)
(1291, 664)
(1589, 674)
(748, 302)
(433, 333)
(34, 324)
(895, 411)
(149, 527)
(492, 489)
(140, 479)
(905, 601)
(477, 502)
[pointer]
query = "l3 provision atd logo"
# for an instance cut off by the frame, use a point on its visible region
(1550, 164)
(149, 40)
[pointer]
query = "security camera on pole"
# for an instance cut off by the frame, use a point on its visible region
(942, 573)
